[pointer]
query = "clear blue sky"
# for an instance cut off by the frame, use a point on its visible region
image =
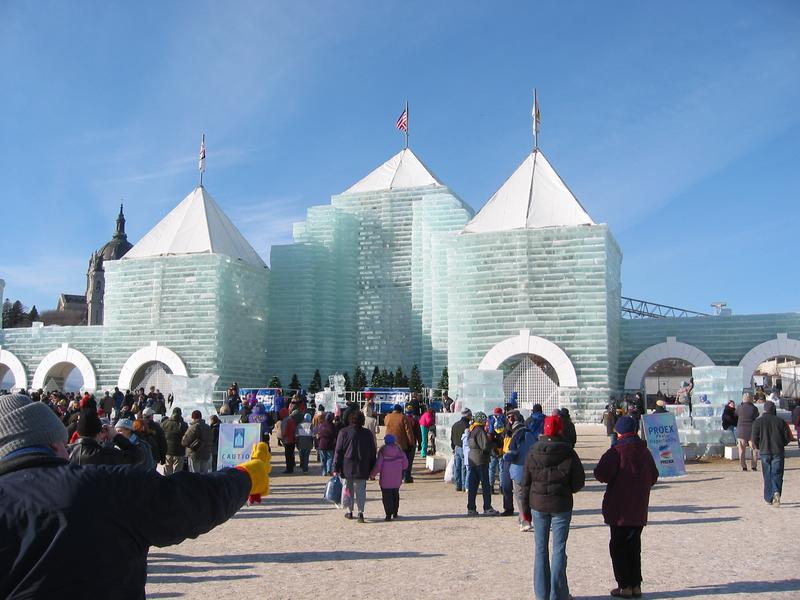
(676, 123)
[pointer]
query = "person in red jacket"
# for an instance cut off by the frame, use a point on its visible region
(630, 471)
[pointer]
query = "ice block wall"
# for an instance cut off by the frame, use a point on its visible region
(562, 283)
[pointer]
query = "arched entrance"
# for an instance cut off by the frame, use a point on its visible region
(781, 346)
(671, 349)
(56, 367)
(12, 372)
(150, 366)
(534, 367)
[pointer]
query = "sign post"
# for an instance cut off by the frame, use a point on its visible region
(236, 443)
(661, 435)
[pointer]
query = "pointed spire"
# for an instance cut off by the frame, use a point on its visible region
(120, 233)
(403, 170)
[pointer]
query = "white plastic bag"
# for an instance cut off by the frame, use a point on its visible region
(448, 470)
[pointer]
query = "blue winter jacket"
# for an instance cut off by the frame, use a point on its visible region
(535, 423)
(521, 442)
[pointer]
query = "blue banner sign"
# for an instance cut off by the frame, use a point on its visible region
(661, 435)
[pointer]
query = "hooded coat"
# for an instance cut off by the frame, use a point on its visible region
(770, 432)
(630, 471)
(391, 463)
(553, 473)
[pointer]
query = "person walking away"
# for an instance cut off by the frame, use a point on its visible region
(770, 436)
(174, 429)
(326, 443)
(416, 444)
(729, 418)
(522, 440)
(316, 421)
(391, 463)
(553, 473)
(609, 419)
(456, 434)
(397, 425)
(107, 404)
(118, 398)
(535, 422)
(480, 449)
(197, 440)
(426, 422)
(143, 454)
(371, 423)
(746, 414)
(305, 441)
(52, 510)
(629, 471)
(288, 432)
(569, 427)
(354, 458)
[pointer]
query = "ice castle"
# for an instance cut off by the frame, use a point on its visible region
(396, 270)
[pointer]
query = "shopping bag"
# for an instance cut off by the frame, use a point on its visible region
(347, 500)
(448, 470)
(333, 491)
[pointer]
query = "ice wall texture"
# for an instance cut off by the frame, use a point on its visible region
(562, 283)
(356, 286)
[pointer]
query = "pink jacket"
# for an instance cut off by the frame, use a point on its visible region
(391, 463)
(427, 420)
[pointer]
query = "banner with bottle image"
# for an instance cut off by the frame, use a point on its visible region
(661, 435)
(236, 443)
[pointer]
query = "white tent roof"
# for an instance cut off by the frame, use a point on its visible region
(403, 170)
(533, 197)
(196, 225)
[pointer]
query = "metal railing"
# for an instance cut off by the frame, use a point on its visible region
(642, 309)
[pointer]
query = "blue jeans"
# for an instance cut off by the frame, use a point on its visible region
(327, 461)
(550, 578)
(494, 469)
(479, 474)
(459, 468)
(772, 471)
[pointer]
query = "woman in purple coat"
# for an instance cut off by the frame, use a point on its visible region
(630, 471)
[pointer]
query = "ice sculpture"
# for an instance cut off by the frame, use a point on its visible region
(194, 393)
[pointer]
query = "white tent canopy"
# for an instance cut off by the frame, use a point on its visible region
(403, 170)
(533, 197)
(196, 225)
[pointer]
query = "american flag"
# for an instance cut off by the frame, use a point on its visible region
(202, 164)
(402, 121)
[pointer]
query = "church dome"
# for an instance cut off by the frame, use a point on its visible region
(119, 245)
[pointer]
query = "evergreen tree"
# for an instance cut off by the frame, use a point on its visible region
(359, 380)
(376, 378)
(34, 315)
(415, 381)
(386, 381)
(295, 383)
(348, 385)
(275, 382)
(316, 383)
(400, 379)
(444, 381)
(17, 315)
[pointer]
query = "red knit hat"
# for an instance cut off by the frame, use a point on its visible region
(553, 426)
(498, 410)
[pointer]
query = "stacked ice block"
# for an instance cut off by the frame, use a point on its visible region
(478, 390)
(713, 388)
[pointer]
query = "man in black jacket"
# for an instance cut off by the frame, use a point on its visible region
(174, 429)
(52, 510)
(770, 435)
(553, 473)
(459, 464)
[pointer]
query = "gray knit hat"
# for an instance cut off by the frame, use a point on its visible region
(24, 423)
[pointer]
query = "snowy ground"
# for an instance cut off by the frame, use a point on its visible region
(710, 536)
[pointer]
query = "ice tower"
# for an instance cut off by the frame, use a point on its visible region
(356, 286)
(197, 286)
(532, 276)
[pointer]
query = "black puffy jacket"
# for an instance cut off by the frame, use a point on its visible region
(52, 510)
(553, 472)
(88, 451)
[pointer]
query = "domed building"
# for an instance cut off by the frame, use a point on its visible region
(114, 249)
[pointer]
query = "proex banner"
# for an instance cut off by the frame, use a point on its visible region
(236, 443)
(661, 435)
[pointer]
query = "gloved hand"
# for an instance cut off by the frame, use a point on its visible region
(258, 468)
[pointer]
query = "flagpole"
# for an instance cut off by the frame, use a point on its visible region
(407, 124)
(535, 119)
(202, 145)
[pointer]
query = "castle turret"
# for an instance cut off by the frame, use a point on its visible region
(95, 277)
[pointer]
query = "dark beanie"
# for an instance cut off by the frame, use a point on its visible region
(24, 423)
(89, 424)
(625, 425)
(196, 414)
